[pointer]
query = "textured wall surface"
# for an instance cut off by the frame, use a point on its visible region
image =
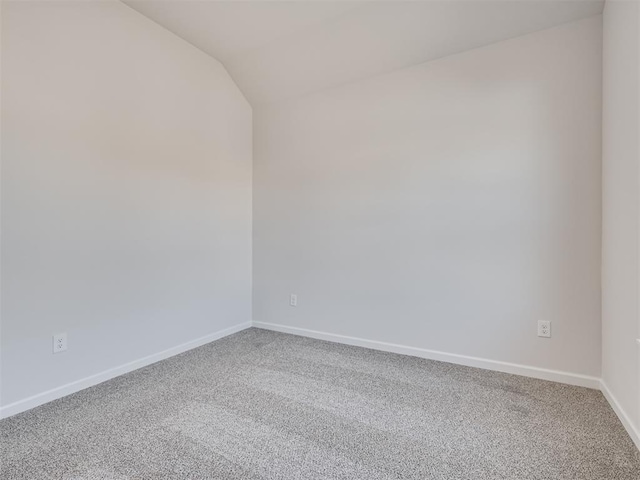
(448, 206)
(126, 192)
(621, 205)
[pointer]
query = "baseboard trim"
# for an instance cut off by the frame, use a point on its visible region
(505, 367)
(73, 387)
(633, 432)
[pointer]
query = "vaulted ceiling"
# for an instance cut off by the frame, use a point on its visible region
(276, 50)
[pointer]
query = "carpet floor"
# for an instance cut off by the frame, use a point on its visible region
(266, 405)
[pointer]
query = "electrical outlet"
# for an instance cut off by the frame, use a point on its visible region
(293, 300)
(544, 328)
(59, 342)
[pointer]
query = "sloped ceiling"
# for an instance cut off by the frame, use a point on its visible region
(276, 50)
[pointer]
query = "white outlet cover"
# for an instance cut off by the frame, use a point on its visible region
(293, 300)
(544, 328)
(59, 342)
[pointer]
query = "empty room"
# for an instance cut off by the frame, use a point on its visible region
(320, 239)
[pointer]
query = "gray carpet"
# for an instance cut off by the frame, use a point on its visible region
(265, 405)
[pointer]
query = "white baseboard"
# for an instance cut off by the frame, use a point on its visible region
(513, 368)
(73, 387)
(516, 369)
(633, 432)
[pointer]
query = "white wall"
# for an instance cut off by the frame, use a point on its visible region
(126, 192)
(447, 206)
(621, 206)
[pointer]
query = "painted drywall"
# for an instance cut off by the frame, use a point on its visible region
(621, 206)
(448, 206)
(126, 193)
(1, 10)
